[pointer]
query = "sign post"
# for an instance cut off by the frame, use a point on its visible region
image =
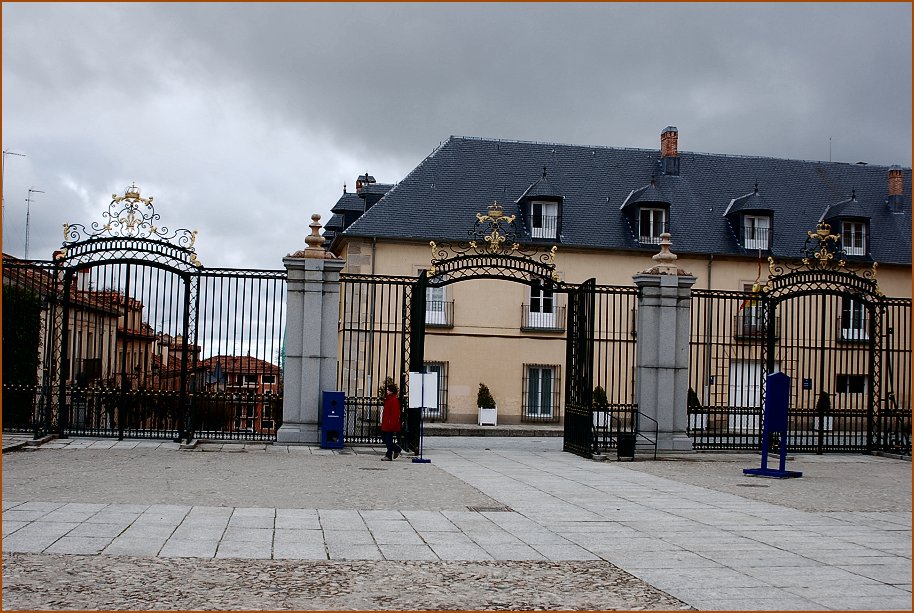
(777, 401)
(423, 394)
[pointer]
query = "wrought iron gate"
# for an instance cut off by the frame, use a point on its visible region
(128, 335)
(579, 425)
(828, 328)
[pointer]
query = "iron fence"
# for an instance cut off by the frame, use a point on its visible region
(132, 348)
(841, 350)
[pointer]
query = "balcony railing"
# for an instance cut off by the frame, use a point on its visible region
(439, 313)
(650, 235)
(755, 238)
(543, 226)
(551, 320)
(751, 325)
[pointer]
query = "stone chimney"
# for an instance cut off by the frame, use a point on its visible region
(896, 189)
(669, 150)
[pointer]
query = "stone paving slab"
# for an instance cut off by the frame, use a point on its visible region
(684, 529)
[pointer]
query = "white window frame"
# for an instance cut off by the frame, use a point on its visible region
(540, 212)
(435, 306)
(539, 402)
(655, 228)
(854, 320)
(853, 237)
(756, 231)
(541, 313)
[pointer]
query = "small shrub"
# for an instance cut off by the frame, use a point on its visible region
(484, 398)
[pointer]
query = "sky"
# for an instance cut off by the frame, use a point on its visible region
(243, 119)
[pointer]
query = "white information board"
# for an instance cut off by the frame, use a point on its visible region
(423, 390)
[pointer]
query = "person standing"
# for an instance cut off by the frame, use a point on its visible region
(390, 422)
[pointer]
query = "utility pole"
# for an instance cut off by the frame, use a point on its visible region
(6, 152)
(28, 207)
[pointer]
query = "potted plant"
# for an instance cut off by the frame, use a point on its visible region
(600, 408)
(488, 411)
(823, 419)
(698, 419)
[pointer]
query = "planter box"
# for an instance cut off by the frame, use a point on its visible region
(826, 425)
(743, 423)
(488, 417)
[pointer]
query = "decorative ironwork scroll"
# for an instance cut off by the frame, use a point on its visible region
(491, 250)
(130, 221)
(822, 251)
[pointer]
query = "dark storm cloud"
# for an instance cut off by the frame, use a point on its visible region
(242, 119)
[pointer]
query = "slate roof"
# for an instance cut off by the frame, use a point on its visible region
(438, 200)
(848, 208)
(349, 201)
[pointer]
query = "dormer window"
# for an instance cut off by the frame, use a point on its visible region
(544, 217)
(756, 231)
(652, 223)
(541, 209)
(853, 237)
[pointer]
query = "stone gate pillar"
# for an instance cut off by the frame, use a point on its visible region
(312, 317)
(662, 378)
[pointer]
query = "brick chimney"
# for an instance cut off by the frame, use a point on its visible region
(669, 150)
(896, 189)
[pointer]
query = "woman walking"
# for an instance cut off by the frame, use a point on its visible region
(390, 423)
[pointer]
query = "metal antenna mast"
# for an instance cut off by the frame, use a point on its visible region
(28, 207)
(6, 152)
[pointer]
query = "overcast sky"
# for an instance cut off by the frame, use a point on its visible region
(243, 119)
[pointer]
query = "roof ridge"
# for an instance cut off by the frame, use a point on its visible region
(657, 151)
(397, 183)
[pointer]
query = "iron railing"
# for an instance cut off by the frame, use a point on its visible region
(132, 348)
(542, 320)
(439, 313)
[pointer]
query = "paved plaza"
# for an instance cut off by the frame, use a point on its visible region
(490, 523)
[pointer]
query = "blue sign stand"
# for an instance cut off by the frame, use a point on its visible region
(777, 401)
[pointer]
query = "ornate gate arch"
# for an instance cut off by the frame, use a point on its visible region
(823, 326)
(124, 333)
(383, 325)
(127, 323)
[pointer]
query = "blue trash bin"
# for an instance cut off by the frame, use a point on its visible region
(333, 422)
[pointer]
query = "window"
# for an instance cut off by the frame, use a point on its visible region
(750, 320)
(441, 369)
(268, 378)
(756, 229)
(266, 419)
(653, 224)
(853, 237)
(542, 308)
(854, 320)
(850, 384)
(544, 217)
(436, 308)
(250, 379)
(540, 397)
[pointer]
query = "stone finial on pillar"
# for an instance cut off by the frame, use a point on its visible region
(315, 242)
(666, 259)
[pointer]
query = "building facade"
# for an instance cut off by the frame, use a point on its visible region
(605, 209)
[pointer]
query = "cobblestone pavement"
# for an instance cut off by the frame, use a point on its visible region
(56, 582)
(496, 523)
